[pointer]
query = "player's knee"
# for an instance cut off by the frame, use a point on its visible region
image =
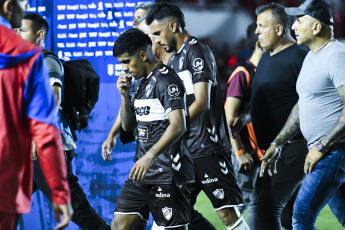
(227, 216)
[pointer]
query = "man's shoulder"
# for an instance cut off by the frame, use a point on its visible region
(299, 50)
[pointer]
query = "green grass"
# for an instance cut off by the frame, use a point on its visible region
(325, 221)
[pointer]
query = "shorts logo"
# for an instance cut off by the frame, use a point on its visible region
(209, 180)
(181, 62)
(223, 168)
(167, 213)
(148, 90)
(198, 64)
(219, 193)
(173, 90)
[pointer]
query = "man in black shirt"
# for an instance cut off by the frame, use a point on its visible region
(208, 140)
(273, 97)
(158, 182)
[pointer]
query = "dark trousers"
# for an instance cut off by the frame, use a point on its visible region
(84, 215)
(274, 192)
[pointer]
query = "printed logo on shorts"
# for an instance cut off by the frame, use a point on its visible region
(173, 90)
(161, 194)
(167, 213)
(209, 180)
(219, 193)
(223, 167)
(198, 64)
(148, 90)
(181, 62)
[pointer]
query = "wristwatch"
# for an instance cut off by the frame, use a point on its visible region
(319, 147)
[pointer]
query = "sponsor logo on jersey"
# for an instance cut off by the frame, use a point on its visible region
(141, 111)
(167, 213)
(223, 167)
(173, 90)
(219, 193)
(181, 63)
(143, 133)
(198, 64)
(148, 90)
(209, 180)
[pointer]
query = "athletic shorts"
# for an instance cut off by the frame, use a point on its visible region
(168, 203)
(215, 176)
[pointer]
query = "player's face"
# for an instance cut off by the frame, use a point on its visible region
(266, 30)
(26, 32)
(163, 35)
(156, 49)
(132, 65)
(303, 27)
(138, 14)
(18, 11)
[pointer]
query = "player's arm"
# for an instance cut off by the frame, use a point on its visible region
(128, 121)
(290, 129)
(174, 131)
(110, 142)
(55, 73)
(202, 94)
(244, 158)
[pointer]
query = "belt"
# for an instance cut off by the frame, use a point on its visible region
(296, 141)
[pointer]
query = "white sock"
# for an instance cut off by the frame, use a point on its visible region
(156, 227)
(240, 224)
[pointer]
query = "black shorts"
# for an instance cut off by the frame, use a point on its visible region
(215, 176)
(168, 203)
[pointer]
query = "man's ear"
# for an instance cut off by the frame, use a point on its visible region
(7, 7)
(280, 30)
(143, 56)
(40, 36)
(173, 26)
(317, 26)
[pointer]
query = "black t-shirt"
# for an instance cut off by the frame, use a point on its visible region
(195, 63)
(156, 95)
(274, 92)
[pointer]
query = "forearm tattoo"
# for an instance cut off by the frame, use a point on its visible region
(338, 131)
(291, 127)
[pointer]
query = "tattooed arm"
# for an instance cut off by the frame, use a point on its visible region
(290, 129)
(337, 133)
(174, 131)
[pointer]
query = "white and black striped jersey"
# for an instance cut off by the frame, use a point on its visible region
(194, 63)
(156, 95)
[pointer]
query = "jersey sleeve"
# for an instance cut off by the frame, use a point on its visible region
(201, 65)
(237, 85)
(336, 70)
(39, 107)
(54, 70)
(171, 92)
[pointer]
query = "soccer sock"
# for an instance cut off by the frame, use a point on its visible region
(240, 224)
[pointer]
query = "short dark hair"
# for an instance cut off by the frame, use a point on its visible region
(166, 10)
(148, 6)
(38, 22)
(130, 42)
(278, 12)
(252, 38)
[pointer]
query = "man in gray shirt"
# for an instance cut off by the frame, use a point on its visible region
(319, 113)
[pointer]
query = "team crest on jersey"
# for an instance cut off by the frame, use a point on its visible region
(181, 62)
(173, 90)
(198, 64)
(167, 213)
(219, 193)
(148, 90)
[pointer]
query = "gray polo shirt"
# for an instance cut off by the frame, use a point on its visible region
(319, 102)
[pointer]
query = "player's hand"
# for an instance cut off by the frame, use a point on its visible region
(245, 162)
(235, 125)
(34, 151)
(312, 158)
(141, 167)
(124, 84)
(107, 147)
(66, 211)
(269, 161)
